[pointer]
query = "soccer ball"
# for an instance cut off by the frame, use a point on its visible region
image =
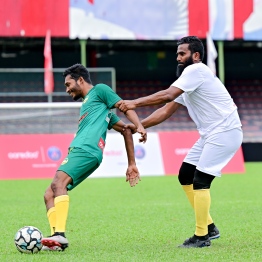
(28, 240)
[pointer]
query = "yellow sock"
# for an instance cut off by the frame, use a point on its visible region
(61, 207)
(190, 195)
(202, 205)
(51, 215)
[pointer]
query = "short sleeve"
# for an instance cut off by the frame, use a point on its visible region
(180, 100)
(113, 120)
(107, 95)
(190, 79)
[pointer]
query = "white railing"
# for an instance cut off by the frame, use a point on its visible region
(4, 72)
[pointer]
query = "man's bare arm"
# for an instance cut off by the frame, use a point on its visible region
(132, 173)
(160, 115)
(133, 117)
(158, 98)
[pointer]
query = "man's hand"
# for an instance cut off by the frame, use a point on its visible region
(127, 105)
(132, 127)
(141, 130)
(132, 175)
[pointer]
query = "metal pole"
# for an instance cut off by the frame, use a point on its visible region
(83, 51)
(50, 98)
(221, 62)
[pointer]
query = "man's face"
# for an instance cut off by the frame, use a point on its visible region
(72, 88)
(184, 58)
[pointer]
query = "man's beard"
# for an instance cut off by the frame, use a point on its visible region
(180, 67)
(77, 94)
(76, 97)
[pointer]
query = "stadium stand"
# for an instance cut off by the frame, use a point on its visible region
(247, 95)
(135, 89)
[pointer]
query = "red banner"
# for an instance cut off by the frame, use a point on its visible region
(32, 156)
(39, 156)
(31, 18)
(198, 19)
(242, 10)
(175, 146)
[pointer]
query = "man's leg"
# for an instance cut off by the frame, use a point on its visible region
(61, 200)
(201, 192)
(77, 166)
(61, 206)
(202, 201)
(186, 176)
(217, 151)
(50, 208)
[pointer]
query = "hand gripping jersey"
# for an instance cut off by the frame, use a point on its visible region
(207, 100)
(95, 118)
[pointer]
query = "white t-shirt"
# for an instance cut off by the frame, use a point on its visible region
(207, 100)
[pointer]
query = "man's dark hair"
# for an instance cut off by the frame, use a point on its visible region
(195, 45)
(77, 70)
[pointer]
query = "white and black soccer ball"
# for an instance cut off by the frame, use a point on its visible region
(28, 240)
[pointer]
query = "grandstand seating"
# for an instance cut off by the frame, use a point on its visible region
(247, 95)
(136, 89)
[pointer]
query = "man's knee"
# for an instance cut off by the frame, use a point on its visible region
(60, 182)
(186, 174)
(49, 194)
(202, 180)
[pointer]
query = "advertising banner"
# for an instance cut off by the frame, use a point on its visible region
(148, 157)
(175, 146)
(39, 156)
(112, 19)
(32, 156)
(30, 18)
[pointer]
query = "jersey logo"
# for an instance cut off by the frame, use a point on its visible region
(109, 115)
(64, 161)
(85, 100)
(101, 144)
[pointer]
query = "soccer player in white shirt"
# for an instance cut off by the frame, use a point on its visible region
(215, 114)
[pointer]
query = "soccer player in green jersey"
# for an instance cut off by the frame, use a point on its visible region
(86, 150)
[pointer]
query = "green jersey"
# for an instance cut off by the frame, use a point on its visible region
(96, 117)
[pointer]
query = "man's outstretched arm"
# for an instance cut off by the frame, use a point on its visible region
(158, 98)
(132, 173)
(158, 116)
(133, 117)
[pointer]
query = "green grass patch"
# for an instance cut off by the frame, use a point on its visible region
(109, 221)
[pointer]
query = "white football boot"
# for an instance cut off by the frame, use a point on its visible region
(55, 241)
(53, 248)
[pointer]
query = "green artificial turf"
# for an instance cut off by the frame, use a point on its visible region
(109, 221)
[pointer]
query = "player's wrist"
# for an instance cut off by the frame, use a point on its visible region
(126, 131)
(136, 103)
(139, 126)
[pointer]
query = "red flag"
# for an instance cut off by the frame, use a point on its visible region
(48, 76)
